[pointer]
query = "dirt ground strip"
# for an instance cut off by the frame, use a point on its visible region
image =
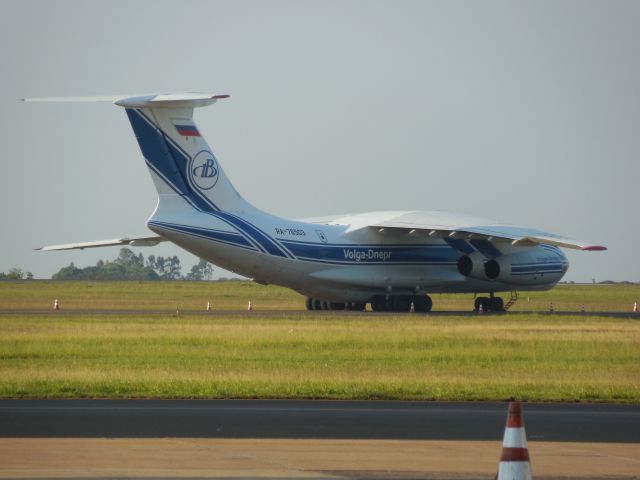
(305, 459)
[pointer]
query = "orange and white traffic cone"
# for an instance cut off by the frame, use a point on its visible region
(514, 461)
(208, 306)
(56, 304)
(635, 307)
(249, 306)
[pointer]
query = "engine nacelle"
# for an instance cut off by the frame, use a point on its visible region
(473, 266)
(535, 266)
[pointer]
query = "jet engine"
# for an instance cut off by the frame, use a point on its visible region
(473, 266)
(527, 268)
(531, 267)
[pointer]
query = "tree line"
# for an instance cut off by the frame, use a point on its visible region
(16, 274)
(127, 266)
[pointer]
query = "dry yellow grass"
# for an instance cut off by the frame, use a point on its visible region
(537, 357)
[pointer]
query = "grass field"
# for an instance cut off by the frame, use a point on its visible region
(39, 294)
(276, 355)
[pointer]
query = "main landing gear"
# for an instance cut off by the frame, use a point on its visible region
(313, 304)
(401, 303)
(379, 303)
(489, 304)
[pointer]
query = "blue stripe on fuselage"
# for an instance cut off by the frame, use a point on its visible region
(536, 268)
(230, 238)
(265, 241)
(373, 254)
(460, 245)
(485, 247)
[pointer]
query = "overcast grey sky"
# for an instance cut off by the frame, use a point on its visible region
(527, 112)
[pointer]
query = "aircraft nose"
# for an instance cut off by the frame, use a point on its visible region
(565, 262)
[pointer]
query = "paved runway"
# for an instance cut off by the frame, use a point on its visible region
(314, 420)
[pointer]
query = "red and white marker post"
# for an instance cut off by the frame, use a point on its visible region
(514, 461)
(56, 304)
(249, 306)
(208, 306)
(635, 307)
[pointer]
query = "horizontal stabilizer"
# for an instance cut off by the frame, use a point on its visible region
(134, 242)
(163, 100)
(98, 98)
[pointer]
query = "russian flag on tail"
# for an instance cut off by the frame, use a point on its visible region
(187, 130)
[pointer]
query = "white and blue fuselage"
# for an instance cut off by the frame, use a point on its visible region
(386, 258)
(335, 263)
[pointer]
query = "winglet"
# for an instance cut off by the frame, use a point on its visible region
(593, 248)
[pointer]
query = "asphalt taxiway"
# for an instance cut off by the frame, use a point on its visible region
(230, 439)
(314, 419)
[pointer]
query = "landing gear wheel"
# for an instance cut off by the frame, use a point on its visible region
(489, 304)
(309, 303)
(422, 303)
(476, 304)
(481, 302)
(356, 306)
(379, 304)
(402, 303)
(496, 304)
(317, 305)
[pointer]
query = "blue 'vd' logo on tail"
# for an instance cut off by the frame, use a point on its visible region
(203, 170)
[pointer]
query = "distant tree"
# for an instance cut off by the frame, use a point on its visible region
(203, 270)
(207, 269)
(174, 269)
(127, 258)
(128, 266)
(68, 273)
(159, 266)
(15, 274)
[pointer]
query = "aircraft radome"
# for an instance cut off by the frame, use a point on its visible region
(389, 259)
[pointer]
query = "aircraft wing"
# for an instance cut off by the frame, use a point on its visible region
(134, 242)
(442, 225)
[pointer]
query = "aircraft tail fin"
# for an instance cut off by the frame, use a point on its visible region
(179, 159)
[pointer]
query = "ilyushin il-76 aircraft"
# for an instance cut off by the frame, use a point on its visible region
(391, 260)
